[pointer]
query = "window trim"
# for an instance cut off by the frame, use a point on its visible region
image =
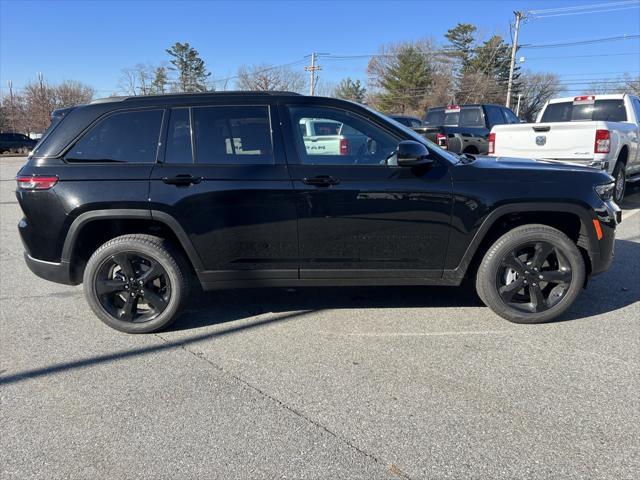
(162, 152)
(274, 147)
(159, 143)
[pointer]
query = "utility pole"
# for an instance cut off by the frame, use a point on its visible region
(12, 106)
(514, 49)
(518, 105)
(312, 73)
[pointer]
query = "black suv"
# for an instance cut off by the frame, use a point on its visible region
(464, 128)
(15, 142)
(136, 197)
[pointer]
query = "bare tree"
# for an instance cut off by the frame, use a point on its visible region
(628, 84)
(537, 89)
(30, 112)
(137, 80)
(40, 99)
(266, 77)
(71, 92)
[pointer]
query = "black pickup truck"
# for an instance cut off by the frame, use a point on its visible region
(464, 128)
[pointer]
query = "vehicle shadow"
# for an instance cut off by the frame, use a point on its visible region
(607, 292)
(631, 198)
(217, 307)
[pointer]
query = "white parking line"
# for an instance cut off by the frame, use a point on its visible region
(626, 214)
(414, 334)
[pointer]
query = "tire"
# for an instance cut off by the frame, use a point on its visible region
(136, 283)
(508, 278)
(619, 173)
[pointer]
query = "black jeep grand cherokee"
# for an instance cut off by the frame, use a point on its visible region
(137, 196)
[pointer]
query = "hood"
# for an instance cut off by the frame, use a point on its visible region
(483, 161)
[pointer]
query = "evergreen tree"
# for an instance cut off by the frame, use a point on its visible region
(192, 72)
(349, 89)
(160, 81)
(461, 44)
(406, 81)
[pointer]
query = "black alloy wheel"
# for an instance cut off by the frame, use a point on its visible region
(533, 277)
(132, 287)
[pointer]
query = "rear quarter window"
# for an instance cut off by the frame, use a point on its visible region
(435, 118)
(127, 137)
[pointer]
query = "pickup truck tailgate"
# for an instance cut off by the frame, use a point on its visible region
(558, 141)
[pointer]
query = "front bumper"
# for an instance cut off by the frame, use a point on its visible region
(602, 257)
(54, 272)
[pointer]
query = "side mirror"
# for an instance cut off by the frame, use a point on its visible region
(411, 153)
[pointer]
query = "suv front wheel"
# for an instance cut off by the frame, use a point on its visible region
(136, 283)
(531, 274)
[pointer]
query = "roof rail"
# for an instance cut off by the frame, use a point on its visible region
(229, 93)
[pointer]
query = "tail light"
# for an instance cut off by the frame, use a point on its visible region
(345, 147)
(492, 143)
(36, 182)
(603, 142)
(441, 141)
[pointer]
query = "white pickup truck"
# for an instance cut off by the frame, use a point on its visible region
(601, 131)
(329, 137)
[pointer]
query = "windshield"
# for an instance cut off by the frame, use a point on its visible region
(452, 157)
(600, 110)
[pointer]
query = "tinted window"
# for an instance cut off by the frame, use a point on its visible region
(435, 117)
(416, 123)
(471, 117)
(511, 117)
(121, 137)
(636, 107)
(358, 142)
(179, 137)
(495, 115)
(233, 135)
(600, 110)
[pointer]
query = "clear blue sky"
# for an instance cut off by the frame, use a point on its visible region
(93, 41)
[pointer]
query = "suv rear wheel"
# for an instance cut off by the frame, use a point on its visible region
(531, 274)
(136, 283)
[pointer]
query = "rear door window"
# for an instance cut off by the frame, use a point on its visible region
(601, 110)
(128, 137)
(228, 135)
(471, 117)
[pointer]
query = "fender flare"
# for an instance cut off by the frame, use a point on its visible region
(126, 213)
(583, 214)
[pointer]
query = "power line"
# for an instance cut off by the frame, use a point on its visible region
(584, 56)
(582, 7)
(582, 42)
(536, 17)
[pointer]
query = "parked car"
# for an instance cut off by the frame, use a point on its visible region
(16, 142)
(602, 131)
(137, 197)
(407, 120)
(327, 137)
(464, 128)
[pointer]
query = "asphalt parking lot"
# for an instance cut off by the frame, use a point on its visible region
(409, 382)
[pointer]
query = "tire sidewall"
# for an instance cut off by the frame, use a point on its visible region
(103, 254)
(487, 288)
(619, 170)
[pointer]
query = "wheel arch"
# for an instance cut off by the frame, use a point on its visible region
(91, 229)
(573, 220)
